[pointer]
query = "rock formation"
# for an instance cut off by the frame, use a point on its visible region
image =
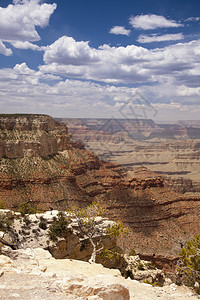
(160, 221)
(34, 274)
(40, 163)
(63, 241)
(137, 129)
(172, 150)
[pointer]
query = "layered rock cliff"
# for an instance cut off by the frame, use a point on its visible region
(171, 150)
(160, 220)
(40, 163)
(137, 129)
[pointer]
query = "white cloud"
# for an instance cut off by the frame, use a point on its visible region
(26, 45)
(108, 64)
(67, 51)
(191, 19)
(4, 50)
(18, 21)
(120, 30)
(23, 69)
(159, 38)
(147, 22)
(131, 64)
(26, 90)
(187, 91)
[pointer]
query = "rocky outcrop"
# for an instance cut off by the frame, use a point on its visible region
(145, 271)
(40, 163)
(32, 136)
(34, 274)
(32, 231)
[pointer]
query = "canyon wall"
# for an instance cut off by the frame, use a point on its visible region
(172, 150)
(40, 164)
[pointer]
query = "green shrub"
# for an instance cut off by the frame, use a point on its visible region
(117, 229)
(43, 225)
(5, 223)
(154, 283)
(140, 266)
(150, 265)
(110, 255)
(58, 228)
(28, 208)
(2, 204)
(132, 253)
(188, 266)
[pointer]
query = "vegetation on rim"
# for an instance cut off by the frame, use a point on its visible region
(188, 266)
(88, 225)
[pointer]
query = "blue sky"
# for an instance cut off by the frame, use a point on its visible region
(128, 59)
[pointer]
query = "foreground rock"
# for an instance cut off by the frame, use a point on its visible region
(35, 230)
(34, 274)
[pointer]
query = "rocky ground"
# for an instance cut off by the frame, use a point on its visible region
(33, 274)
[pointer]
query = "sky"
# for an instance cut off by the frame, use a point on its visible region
(101, 59)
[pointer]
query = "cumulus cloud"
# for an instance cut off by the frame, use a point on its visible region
(108, 64)
(159, 38)
(25, 90)
(120, 30)
(152, 21)
(67, 51)
(18, 21)
(131, 64)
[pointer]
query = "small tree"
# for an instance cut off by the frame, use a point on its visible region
(58, 228)
(188, 267)
(89, 227)
(5, 227)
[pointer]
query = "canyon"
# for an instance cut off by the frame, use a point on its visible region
(170, 150)
(42, 165)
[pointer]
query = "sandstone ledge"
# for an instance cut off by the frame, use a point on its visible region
(34, 274)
